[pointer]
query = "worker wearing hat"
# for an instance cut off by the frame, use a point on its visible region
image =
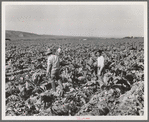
(53, 69)
(59, 51)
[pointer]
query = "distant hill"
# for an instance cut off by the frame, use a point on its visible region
(19, 34)
(13, 35)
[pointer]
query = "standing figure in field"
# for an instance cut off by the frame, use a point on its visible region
(100, 65)
(59, 50)
(53, 70)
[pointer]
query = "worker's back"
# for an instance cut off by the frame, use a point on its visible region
(100, 61)
(53, 60)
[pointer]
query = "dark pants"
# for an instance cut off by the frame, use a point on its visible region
(100, 77)
(55, 77)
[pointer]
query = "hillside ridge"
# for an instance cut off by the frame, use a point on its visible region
(11, 34)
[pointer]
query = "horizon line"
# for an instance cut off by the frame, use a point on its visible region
(73, 35)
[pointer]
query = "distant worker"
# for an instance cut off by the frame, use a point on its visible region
(58, 52)
(100, 65)
(53, 69)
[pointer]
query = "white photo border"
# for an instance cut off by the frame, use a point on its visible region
(77, 117)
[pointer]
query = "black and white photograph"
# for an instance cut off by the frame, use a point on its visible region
(74, 61)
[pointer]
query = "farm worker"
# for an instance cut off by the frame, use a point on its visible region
(53, 69)
(100, 65)
(58, 52)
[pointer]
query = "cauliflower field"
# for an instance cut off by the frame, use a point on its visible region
(121, 94)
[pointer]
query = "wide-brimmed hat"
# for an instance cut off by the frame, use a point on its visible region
(49, 51)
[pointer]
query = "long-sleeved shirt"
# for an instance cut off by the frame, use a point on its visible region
(53, 63)
(100, 61)
(100, 64)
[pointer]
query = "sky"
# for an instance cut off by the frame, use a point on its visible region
(77, 20)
